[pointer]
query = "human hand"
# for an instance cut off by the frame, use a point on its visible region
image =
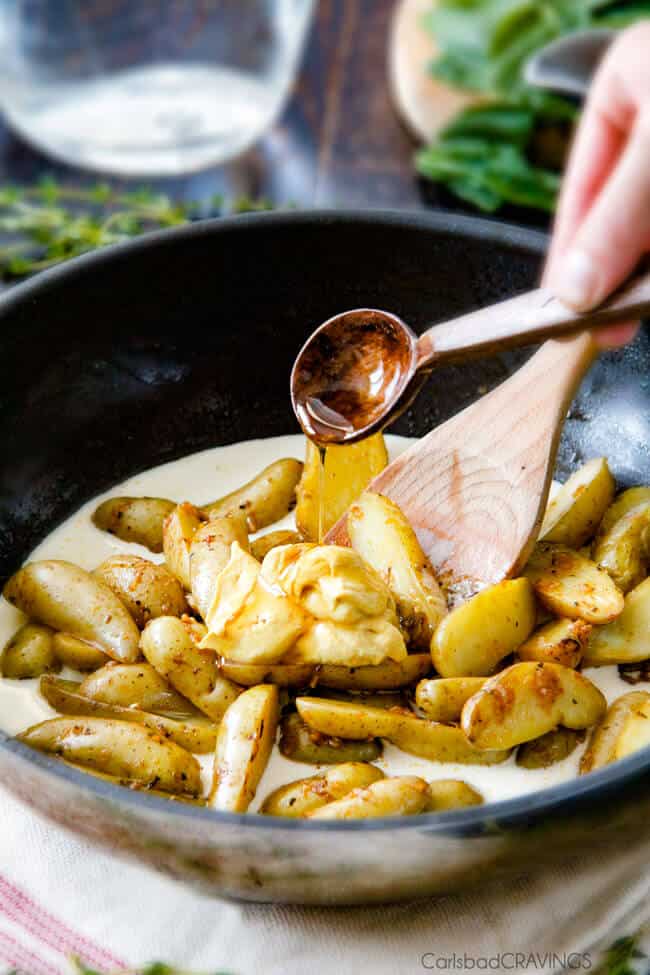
(602, 227)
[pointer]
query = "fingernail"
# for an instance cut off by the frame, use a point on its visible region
(576, 280)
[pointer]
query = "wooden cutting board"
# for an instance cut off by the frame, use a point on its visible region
(424, 104)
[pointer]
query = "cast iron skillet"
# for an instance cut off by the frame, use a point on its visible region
(145, 352)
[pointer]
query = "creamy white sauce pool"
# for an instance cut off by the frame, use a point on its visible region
(201, 478)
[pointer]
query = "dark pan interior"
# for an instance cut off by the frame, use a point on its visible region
(143, 353)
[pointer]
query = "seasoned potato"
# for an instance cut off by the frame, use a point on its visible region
(146, 589)
(570, 585)
(284, 675)
(298, 799)
(264, 500)
(388, 675)
(210, 552)
(29, 653)
(283, 536)
(137, 520)
(428, 739)
(623, 730)
(527, 700)
(68, 598)
(179, 529)
(621, 550)
(442, 698)
(552, 747)
(135, 786)
(301, 744)
(346, 473)
(244, 745)
(136, 686)
(447, 794)
(196, 734)
(168, 646)
(128, 751)
(403, 795)
(77, 654)
(477, 635)
(382, 535)
(560, 642)
(627, 639)
(619, 507)
(575, 512)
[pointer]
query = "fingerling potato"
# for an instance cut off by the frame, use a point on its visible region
(138, 520)
(65, 597)
(262, 546)
(196, 734)
(386, 676)
(266, 499)
(146, 589)
(575, 512)
(128, 751)
(194, 673)
(478, 634)
(418, 736)
(570, 585)
(301, 744)
(346, 473)
(136, 786)
(550, 748)
(244, 744)
(442, 698)
(78, 654)
(284, 675)
(298, 799)
(136, 686)
(403, 795)
(625, 501)
(527, 700)
(29, 653)
(445, 794)
(209, 554)
(626, 640)
(624, 729)
(559, 642)
(621, 551)
(179, 529)
(382, 535)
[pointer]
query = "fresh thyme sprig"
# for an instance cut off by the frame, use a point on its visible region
(48, 223)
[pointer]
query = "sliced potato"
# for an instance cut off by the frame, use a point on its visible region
(382, 535)
(627, 639)
(209, 554)
(136, 686)
(477, 635)
(168, 646)
(625, 501)
(138, 520)
(623, 730)
(301, 744)
(29, 653)
(266, 499)
(621, 550)
(570, 585)
(246, 737)
(146, 589)
(128, 751)
(403, 795)
(283, 536)
(284, 675)
(179, 529)
(68, 598)
(552, 747)
(575, 512)
(442, 698)
(196, 734)
(347, 472)
(527, 700)
(136, 786)
(298, 799)
(78, 654)
(428, 739)
(445, 794)
(386, 676)
(560, 642)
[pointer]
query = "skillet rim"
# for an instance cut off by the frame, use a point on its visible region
(521, 810)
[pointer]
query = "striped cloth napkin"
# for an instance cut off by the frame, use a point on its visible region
(61, 897)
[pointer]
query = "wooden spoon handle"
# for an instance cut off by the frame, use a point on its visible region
(524, 320)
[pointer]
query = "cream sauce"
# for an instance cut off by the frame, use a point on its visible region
(201, 478)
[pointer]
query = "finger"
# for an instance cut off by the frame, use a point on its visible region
(615, 335)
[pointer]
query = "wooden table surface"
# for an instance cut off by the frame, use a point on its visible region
(338, 143)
